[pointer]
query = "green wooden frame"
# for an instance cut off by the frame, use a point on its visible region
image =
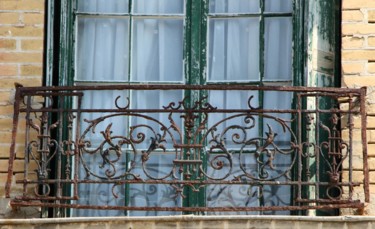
(195, 51)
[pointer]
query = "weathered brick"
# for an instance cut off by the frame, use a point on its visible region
(357, 176)
(20, 176)
(9, 84)
(33, 18)
(8, 70)
(371, 41)
(35, 44)
(3, 177)
(28, 5)
(7, 44)
(17, 165)
(371, 122)
(31, 70)
(350, 42)
(371, 68)
(357, 4)
(352, 15)
(353, 68)
(5, 97)
(6, 110)
(357, 28)
(358, 81)
(17, 57)
(6, 137)
(9, 18)
(371, 16)
(358, 55)
(372, 177)
(24, 31)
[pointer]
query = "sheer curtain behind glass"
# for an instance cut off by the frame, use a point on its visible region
(125, 49)
(235, 55)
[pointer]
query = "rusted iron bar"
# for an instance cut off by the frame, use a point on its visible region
(342, 91)
(195, 146)
(12, 154)
(364, 145)
(196, 182)
(190, 209)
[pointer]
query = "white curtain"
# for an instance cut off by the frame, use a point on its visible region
(103, 54)
(234, 55)
(234, 43)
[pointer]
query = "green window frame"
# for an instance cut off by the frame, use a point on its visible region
(60, 45)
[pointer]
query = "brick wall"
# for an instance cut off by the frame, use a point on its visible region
(21, 58)
(21, 50)
(358, 68)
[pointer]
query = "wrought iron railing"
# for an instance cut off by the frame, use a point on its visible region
(235, 158)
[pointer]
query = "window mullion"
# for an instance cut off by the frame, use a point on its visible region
(261, 77)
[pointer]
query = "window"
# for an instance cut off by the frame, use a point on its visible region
(210, 48)
(179, 42)
(245, 42)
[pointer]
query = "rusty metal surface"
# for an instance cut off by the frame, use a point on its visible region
(66, 150)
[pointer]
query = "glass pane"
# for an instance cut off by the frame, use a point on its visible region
(236, 128)
(158, 165)
(103, 100)
(278, 48)
(233, 49)
(278, 101)
(234, 6)
(221, 195)
(278, 6)
(159, 6)
(151, 124)
(102, 49)
(103, 6)
(157, 50)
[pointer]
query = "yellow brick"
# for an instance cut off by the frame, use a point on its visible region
(4, 151)
(371, 41)
(357, 176)
(26, 31)
(7, 44)
(352, 15)
(358, 81)
(356, 28)
(5, 97)
(371, 122)
(21, 57)
(32, 45)
(357, 4)
(31, 176)
(6, 125)
(371, 68)
(8, 70)
(371, 16)
(35, 81)
(6, 110)
(17, 165)
(353, 68)
(371, 150)
(352, 42)
(31, 70)
(358, 55)
(32, 5)
(33, 18)
(370, 109)
(9, 18)
(6, 137)
(372, 177)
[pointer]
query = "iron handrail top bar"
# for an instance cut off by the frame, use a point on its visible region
(192, 87)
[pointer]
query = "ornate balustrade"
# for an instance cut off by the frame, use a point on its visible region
(207, 149)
